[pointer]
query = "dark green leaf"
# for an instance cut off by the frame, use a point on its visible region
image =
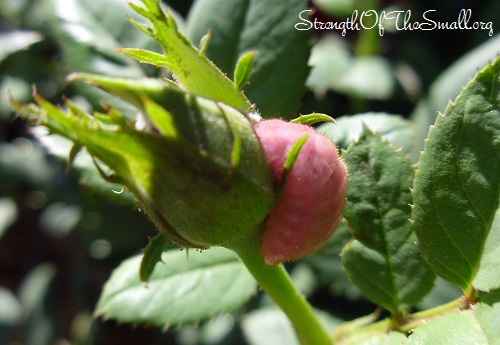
(382, 260)
(267, 27)
(457, 186)
(188, 288)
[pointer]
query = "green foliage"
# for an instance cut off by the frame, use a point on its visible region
(454, 230)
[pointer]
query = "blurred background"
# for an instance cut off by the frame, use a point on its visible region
(59, 241)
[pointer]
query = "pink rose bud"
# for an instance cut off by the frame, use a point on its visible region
(313, 196)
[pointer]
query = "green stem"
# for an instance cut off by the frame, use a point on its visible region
(277, 284)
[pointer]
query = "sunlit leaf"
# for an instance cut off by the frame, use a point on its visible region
(457, 186)
(187, 288)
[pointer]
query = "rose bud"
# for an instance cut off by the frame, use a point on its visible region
(312, 196)
(198, 171)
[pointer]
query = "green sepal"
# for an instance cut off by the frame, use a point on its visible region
(130, 90)
(152, 255)
(291, 158)
(205, 42)
(190, 67)
(313, 118)
(243, 69)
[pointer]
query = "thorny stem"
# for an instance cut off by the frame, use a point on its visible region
(277, 284)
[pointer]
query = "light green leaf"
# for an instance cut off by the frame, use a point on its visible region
(487, 313)
(488, 277)
(382, 260)
(456, 329)
(266, 27)
(391, 338)
(188, 288)
(393, 128)
(457, 186)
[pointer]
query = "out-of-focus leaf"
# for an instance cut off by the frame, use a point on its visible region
(59, 219)
(11, 312)
(35, 295)
(448, 85)
(457, 187)
(14, 41)
(23, 160)
(188, 288)
(269, 326)
(336, 8)
(267, 27)
(382, 260)
(87, 33)
(19, 88)
(8, 214)
(334, 68)
(393, 128)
